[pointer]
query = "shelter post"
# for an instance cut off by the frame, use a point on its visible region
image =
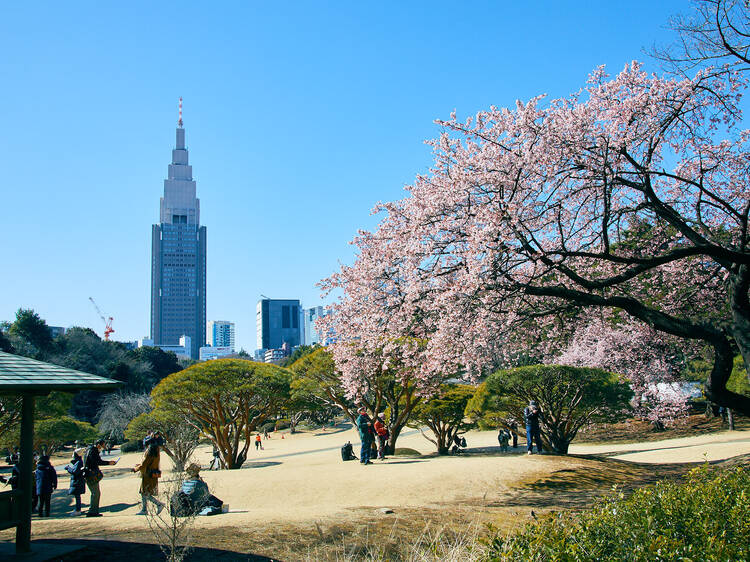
(23, 531)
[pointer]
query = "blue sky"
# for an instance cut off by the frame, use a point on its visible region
(299, 117)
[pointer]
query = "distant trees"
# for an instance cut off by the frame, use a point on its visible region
(118, 410)
(50, 434)
(53, 427)
(29, 334)
(226, 400)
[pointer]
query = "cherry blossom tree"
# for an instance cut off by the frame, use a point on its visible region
(631, 194)
(648, 358)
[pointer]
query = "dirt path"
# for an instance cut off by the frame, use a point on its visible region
(298, 491)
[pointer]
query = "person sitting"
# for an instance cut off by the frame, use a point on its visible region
(194, 495)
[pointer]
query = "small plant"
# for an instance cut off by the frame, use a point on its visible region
(172, 528)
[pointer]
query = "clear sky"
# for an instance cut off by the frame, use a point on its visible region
(299, 116)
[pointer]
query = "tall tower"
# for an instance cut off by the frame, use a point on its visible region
(178, 257)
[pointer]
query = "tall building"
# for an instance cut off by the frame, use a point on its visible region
(178, 257)
(278, 322)
(310, 315)
(220, 334)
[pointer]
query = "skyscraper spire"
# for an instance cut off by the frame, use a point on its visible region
(179, 121)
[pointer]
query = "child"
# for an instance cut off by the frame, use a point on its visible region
(46, 481)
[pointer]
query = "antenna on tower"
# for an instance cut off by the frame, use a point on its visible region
(179, 121)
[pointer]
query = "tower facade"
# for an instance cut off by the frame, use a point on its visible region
(178, 257)
(278, 322)
(221, 333)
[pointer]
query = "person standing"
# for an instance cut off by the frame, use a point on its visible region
(93, 475)
(531, 415)
(77, 481)
(46, 481)
(365, 436)
(215, 460)
(381, 433)
(258, 442)
(150, 474)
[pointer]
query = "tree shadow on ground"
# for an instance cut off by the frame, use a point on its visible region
(339, 428)
(576, 488)
(122, 551)
(260, 464)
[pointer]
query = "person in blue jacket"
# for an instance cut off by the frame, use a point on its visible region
(46, 481)
(77, 481)
(365, 435)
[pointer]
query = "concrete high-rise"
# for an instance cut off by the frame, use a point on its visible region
(278, 322)
(178, 257)
(220, 333)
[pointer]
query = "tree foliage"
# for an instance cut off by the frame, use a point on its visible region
(444, 415)
(30, 335)
(51, 433)
(631, 195)
(569, 398)
(317, 382)
(226, 400)
(181, 436)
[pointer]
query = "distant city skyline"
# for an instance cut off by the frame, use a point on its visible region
(300, 121)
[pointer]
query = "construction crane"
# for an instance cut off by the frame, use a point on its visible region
(108, 329)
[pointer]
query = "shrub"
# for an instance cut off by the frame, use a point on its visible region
(704, 518)
(569, 398)
(282, 424)
(131, 446)
(406, 452)
(269, 427)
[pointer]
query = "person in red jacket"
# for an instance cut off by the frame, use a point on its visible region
(382, 434)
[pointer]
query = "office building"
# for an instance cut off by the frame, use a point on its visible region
(311, 336)
(278, 321)
(183, 348)
(210, 352)
(178, 258)
(220, 334)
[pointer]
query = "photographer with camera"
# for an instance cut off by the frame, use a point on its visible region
(531, 415)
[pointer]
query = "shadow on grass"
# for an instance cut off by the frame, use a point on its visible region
(577, 488)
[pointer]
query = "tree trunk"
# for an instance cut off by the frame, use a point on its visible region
(393, 433)
(730, 419)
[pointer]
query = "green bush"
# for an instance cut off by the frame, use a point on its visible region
(705, 518)
(406, 452)
(131, 446)
(268, 426)
(282, 424)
